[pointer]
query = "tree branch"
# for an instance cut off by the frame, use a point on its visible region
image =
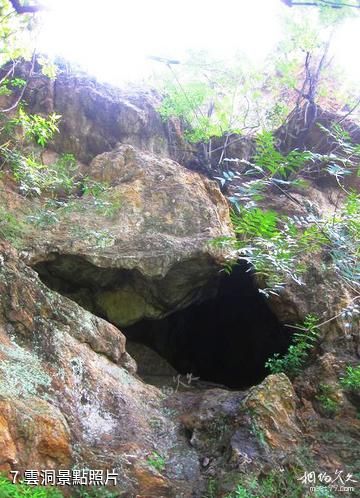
(321, 3)
(25, 9)
(16, 103)
(350, 112)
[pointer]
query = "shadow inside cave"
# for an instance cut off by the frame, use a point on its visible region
(225, 340)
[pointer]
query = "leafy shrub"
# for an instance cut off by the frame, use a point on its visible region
(12, 228)
(93, 188)
(183, 102)
(43, 218)
(276, 484)
(36, 127)
(10, 490)
(61, 174)
(4, 89)
(326, 399)
(255, 222)
(272, 244)
(212, 489)
(7, 86)
(108, 206)
(345, 158)
(351, 378)
(344, 235)
(275, 251)
(156, 461)
(17, 83)
(34, 178)
(241, 492)
(186, 102)
(270, 161)
(294, 360)
(204, 114)
(106, 203)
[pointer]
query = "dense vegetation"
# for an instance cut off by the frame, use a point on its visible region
(214, 100)
(10, 490)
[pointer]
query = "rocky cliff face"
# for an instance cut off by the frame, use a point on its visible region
(152, 255)
(95, 117)
(141, 263)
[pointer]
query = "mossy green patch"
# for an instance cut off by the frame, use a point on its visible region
(122, 306)
(21, 373)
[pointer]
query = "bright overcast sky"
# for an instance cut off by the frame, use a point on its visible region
(112, 38)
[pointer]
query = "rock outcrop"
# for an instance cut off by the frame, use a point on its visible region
(66, 396)
(151, 254)
(70, 394)
(96, 116)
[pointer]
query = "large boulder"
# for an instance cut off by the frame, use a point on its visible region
(96, 116)
(66, 397)
(149, 256)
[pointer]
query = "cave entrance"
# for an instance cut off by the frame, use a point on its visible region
(225, 339)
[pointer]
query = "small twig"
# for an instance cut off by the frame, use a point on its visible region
(322, 323)
(7, 16)
(341, 186)
(339, 314)
(223, 150)
(320, 3)
(16, 103)
(350, 112)
(336, 208)
(11, 70)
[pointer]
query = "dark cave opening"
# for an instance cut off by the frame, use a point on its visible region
(225, 339)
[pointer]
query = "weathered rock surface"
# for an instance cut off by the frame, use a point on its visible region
(150, 363)
(96, 116)
(305, 125)
(66, 398)
(238, 434)
(272, 404)
(69, 392)
(152, 255)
